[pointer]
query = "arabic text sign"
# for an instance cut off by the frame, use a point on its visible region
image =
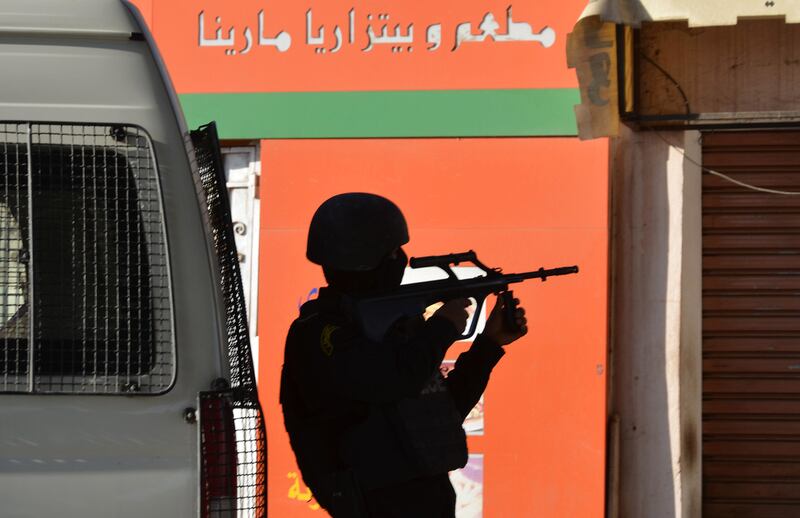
(261, 46)
(399, 42)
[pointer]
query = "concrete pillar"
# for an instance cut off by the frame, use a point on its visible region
(655, 323)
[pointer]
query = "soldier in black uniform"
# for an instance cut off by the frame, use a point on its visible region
(375, 427)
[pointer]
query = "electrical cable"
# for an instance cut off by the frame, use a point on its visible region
(690, 160)
(724, 176)
(673, 81)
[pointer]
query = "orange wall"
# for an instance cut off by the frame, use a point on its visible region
(521, 204)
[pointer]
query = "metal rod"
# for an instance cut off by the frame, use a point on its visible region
(31, 296)
(612, 468)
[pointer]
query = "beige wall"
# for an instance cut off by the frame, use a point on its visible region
(656, 342)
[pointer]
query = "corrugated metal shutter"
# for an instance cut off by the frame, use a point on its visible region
(751, 326)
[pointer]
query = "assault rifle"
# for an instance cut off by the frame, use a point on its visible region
(377, 313)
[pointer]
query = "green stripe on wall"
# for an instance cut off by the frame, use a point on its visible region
(440, 113)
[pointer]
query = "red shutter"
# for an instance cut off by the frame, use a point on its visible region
(751, 326)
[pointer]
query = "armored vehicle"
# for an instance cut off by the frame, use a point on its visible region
(126, 381)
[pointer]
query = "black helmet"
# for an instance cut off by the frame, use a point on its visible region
(354, 231)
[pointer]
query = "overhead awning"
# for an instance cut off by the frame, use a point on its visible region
(592, 47)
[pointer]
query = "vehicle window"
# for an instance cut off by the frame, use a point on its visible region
(84, 287)
(13, 292)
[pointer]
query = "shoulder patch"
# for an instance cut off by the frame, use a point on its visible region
(325, 342)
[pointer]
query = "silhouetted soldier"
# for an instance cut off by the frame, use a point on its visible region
(374, 425)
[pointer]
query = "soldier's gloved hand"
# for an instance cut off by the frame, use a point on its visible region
(496, 329)
(455, 311)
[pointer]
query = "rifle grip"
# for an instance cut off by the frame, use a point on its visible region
(509, 311)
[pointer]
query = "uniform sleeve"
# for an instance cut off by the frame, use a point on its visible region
(470, 375)
(369, 371)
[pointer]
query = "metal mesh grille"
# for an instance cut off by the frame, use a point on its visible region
(233, 446)
(233, 437)
(14, 259)
(83, 262)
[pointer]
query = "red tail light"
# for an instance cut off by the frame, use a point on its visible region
(218, 456)
(233, 457)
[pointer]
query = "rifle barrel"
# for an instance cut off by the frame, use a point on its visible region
(543, 274)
